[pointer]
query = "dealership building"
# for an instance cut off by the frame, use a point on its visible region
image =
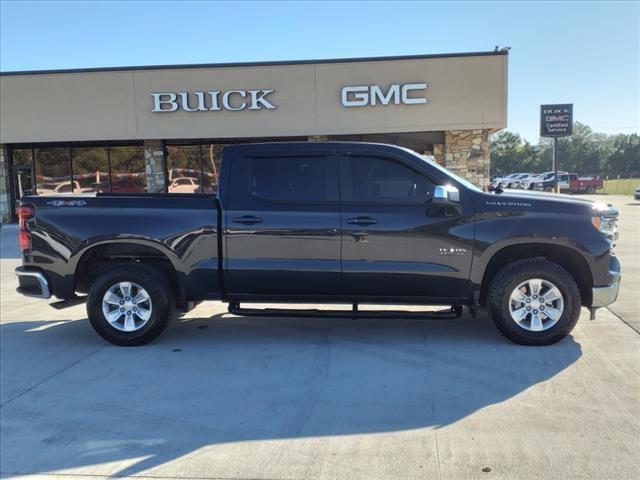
(161, 128)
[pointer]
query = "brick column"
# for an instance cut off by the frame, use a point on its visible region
(467, 155)
(154, 166)
(5, 200)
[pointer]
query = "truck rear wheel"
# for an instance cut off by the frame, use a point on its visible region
(534, 302)
(130, 305)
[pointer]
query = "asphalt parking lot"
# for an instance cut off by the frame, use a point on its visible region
(219, 396)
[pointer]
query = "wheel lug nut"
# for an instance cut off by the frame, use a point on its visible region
(127, 299)
(121, 302)
(122, 309)
(133, 301)
(128, 312)
(535, 311)
(135, 309)
(528, 308)
(528, 300)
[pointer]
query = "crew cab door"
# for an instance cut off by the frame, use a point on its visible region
(282, 222)
(396, 242)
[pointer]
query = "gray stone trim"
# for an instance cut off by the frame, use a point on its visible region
(154, 160)
(5, 201)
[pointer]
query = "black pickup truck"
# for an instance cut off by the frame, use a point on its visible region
(335, 222)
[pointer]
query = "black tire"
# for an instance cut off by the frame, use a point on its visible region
(591, 190)
(548, 189)
(160, 293)
(513, 275)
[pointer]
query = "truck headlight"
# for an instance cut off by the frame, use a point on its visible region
(606, 225)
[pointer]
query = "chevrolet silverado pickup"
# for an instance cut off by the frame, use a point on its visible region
(333, 223)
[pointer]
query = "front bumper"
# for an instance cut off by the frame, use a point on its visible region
(32, 283)
(607, 294)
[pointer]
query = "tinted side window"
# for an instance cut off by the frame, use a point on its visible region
(381, 180)
(563, 178)
(294, 179)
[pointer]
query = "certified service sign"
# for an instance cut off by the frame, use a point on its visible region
(556, 120)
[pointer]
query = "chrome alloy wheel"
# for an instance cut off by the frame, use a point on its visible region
(126, 306)
(536, 305)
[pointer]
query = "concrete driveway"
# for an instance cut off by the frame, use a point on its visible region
(219, 396)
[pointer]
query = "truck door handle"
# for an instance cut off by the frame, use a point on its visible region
(362, 221)
(247, 219)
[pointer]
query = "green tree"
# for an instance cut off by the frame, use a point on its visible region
(505, 148)
(509, 154)
(585, 152)
(625, 155)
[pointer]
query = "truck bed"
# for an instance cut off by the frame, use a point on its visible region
(179, 228)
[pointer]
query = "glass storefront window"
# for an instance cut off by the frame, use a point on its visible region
(22, 157)
(90, 169)
(128, 169)
(210, 167)
(22, 172)
(183, 169)
(53, 174)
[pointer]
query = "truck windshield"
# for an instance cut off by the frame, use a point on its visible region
(431, 161)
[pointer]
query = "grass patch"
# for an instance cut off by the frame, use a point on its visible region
(623, 186)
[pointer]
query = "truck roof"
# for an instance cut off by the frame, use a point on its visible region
(315, 146)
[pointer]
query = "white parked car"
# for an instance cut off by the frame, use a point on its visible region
(531, 182)
(520, 180)
(61, 187)
(184, 185)
(505, 182)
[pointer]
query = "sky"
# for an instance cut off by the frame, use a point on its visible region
(585, 53)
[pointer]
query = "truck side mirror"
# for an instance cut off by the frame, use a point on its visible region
(446, 195)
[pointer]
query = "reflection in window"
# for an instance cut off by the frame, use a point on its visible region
(90, 169)
(183, 168)
(380, 180)
(53, 173)
(22, 157)
(210, 167)
(22, 168)
(292, 179)
(128, 169)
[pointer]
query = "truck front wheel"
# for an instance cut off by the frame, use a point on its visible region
(130, 305)
(534, 302)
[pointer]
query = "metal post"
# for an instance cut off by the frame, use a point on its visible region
(556, 187)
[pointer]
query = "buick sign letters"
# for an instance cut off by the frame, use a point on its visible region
(233, 100)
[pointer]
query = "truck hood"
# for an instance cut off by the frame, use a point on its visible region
(559, 199)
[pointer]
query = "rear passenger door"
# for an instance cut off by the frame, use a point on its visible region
(283, 223)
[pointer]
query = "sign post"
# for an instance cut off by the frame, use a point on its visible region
(556, 121)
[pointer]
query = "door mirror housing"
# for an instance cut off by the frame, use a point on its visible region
(446, 195)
